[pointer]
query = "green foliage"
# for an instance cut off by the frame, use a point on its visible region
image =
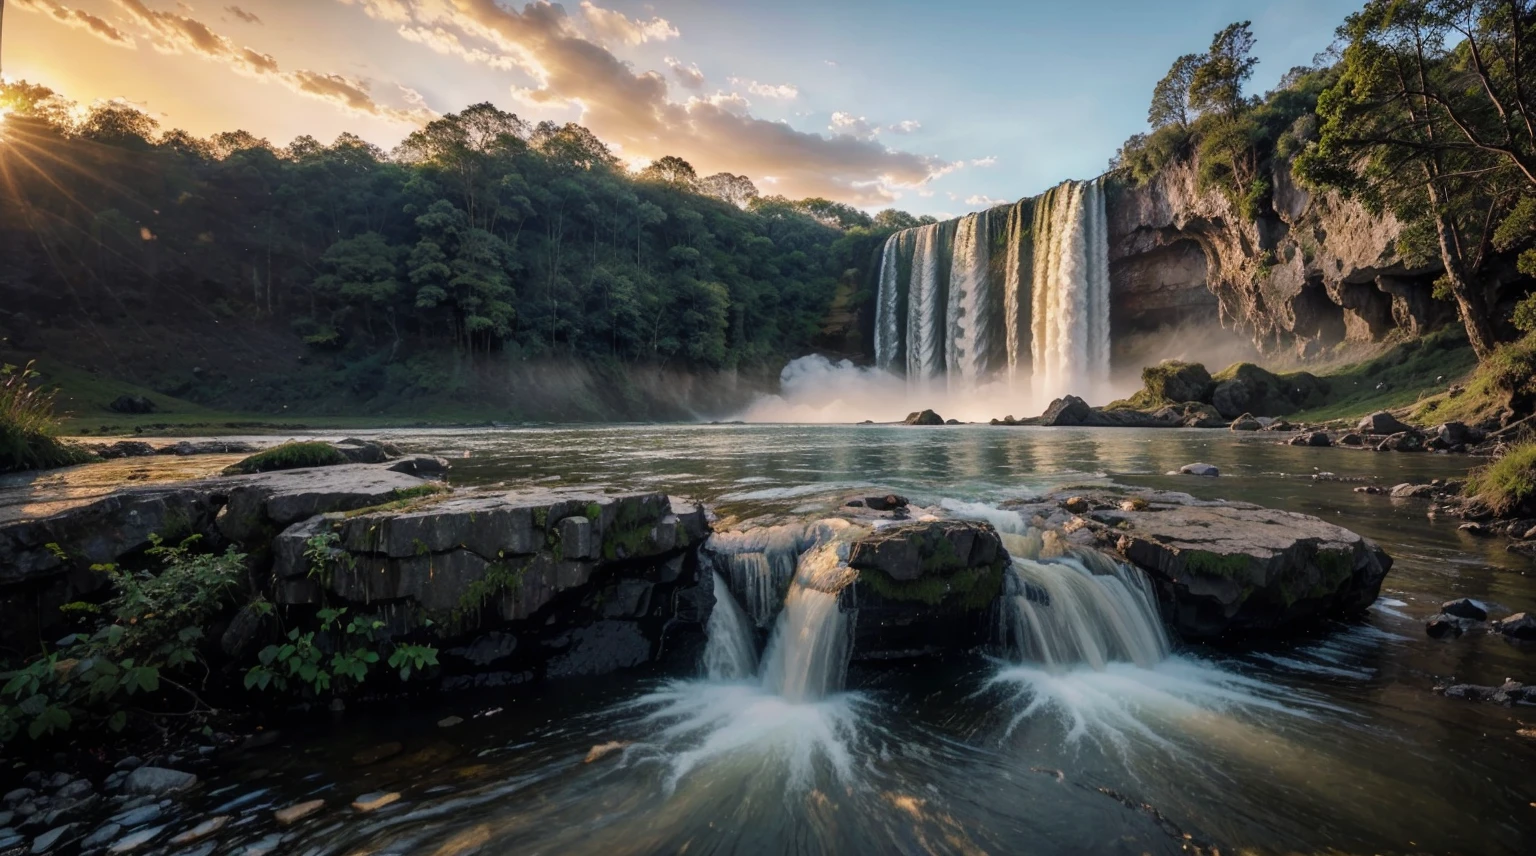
(1524, 316)
(290, 456)
(1504, 383)
(151, 644)
(1170, 97)
(1507, 486)
(1216, 83)
(300, 663)
(483, 241)
(967, 589)
(27, 425)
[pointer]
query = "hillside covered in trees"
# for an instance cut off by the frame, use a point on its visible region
(478, 257)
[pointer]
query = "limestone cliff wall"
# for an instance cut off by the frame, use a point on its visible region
(1312, 271)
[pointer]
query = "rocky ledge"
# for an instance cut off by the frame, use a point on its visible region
(920, 581)
(1222, 567)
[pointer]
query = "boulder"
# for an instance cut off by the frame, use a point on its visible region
(1227, 567)
(1415, 491)
(911, 551)
(132, 404)
(1406, 441)
(1231, 398)
(1453, 433)
(1521, 625)
(1382, 424)
(1206, 470)
(1465, 608)
(1441, 626)
(1351, 439)
(157, 781)
(1175, 381)
(1246, 422)
(923, 417)
(1067, 412)
(1314, 439)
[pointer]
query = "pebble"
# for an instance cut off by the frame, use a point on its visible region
(449, 722)
(603, 750)
(59, 780)
(43, 843)
(375, 801)
(132, 762)
(18, 796)
(136, 840)
(376, 754)
(158, 781)
(297, 812)
(9, 839)
(1200, 470)
(202, 830)
(264, 846)
(100, 837)
(73, 790)
(138, 816)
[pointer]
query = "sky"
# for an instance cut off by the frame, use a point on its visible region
(931, 107)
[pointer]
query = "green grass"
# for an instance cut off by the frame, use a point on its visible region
(290, 456)
(1507, 486)
(1408, 373)
(1506, 381)
(28, 425)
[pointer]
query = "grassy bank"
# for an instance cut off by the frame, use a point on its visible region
(28, 425)
(1413, 371)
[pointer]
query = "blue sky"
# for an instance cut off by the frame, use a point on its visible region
(937, 108)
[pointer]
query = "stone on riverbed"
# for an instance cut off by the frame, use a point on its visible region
(1206, 470)
(1521, 625)
(923, 417)
(1382, 424)
(158, 781)
(1225, 567)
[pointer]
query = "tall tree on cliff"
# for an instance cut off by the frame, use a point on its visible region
(1433, 118)
(1170, 97)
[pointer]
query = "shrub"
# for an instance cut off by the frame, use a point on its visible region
(27, 425)
(158, 621)
(290, 456)
(1507, 486)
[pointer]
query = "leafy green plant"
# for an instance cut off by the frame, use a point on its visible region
(301, 663)
(151, 644)
(27, 425)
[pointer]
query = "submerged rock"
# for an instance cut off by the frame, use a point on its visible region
(158, 781)
(1206, 470)
(1445, 624)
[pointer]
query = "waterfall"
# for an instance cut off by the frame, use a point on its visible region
(924, 319)
(729, 654)
(1079, 608)
(808, 656)
(888, 305)
(1038, 312)
(1070, 292)
(968, 343)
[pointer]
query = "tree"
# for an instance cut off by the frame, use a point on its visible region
(735, 189)
(1429, 119)
(1216, 84)
(1170, 97)
(672, 170)
(119, 125)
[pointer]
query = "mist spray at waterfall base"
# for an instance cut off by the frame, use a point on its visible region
(814, 389)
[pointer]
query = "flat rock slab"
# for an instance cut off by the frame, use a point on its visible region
(1224, 567)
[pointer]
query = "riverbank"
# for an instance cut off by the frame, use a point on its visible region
(461, 779)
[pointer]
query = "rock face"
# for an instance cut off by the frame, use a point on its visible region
(912, 587)
(1308, 272)
(1226, 567)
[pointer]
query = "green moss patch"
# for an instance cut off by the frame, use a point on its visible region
(289, 456)
(969, 589)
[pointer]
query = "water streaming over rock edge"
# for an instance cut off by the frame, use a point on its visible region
(1036, 311)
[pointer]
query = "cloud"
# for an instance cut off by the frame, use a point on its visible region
(79, 19)
(989, 160)
(984, 201)
(181, 34)
(687, 74)
(854, 126)
(394, 11)
(906, 126)
(449, 44)
(616, 28)
(248, 17)
(779, 91)
(634, 111)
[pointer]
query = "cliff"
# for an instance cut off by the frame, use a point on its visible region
(1311, 271)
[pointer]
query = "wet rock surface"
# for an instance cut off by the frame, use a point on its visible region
(1224, 567)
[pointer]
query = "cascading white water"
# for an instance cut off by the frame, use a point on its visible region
(1064, 614)
(968, 344)
(729, 654)
(925, 359)
(807, 658)
(760, 563)
(1052, 291)
(1070, 293)
(888, 324)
